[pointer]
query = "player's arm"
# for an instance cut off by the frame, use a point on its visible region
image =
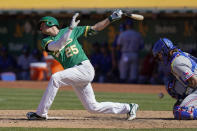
(116, 15)
(193, 79)
(61, 43)
(58, 45)
(184, 72)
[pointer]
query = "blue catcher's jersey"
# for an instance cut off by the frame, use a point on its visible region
(182, 66)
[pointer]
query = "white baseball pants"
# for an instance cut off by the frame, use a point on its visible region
(79, 77)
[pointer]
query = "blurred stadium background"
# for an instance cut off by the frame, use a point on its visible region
(174, 19)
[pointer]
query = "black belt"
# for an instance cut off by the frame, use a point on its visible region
(79, 64)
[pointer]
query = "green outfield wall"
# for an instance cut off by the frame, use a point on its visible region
(20, 29)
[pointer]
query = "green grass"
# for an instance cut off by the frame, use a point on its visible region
(77, 129)
(25, 99)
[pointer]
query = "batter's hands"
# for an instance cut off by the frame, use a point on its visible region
(74, 23)
(116, 15)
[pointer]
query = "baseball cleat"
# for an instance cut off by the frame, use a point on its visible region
(34, 116)
(132, 113)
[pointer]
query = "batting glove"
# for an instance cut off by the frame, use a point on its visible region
(74, 23)
(116, 15)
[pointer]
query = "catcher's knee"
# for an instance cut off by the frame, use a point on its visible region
(185, 113)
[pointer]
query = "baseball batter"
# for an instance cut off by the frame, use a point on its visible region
(63, 45)
(181, 81)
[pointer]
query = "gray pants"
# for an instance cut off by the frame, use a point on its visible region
(190, 100)
(128, 66)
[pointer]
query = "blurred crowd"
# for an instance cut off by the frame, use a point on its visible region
(19, 65)
(118, 63)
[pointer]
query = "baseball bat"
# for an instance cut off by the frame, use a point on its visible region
(134, 16)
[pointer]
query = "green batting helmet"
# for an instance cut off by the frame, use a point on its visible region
(49, 21)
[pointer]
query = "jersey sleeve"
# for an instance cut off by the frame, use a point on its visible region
(181, 66)
(84, 31)
(79, 31)
(45, 42)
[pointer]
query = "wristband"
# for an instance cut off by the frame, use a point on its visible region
(110, 18)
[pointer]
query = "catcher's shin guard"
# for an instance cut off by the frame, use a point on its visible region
(185, 113)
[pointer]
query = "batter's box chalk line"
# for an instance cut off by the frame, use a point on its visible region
(67, 118)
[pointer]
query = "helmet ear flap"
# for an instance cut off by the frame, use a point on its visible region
(49, 23)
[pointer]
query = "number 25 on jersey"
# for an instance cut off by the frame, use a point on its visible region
(71, 50)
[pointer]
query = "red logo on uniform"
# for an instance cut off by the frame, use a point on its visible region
(186, 73)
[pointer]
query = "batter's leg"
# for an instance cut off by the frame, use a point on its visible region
(71, 76)
(87, 97)
(57, 80)
(48, 98)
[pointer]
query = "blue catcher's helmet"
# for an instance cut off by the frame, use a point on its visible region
(163, 45)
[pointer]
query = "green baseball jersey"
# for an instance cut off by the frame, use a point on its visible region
(72, 54)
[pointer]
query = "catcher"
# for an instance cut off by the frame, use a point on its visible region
(78, 72)
(181, 81)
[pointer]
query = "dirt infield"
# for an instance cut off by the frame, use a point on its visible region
(83, 119)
